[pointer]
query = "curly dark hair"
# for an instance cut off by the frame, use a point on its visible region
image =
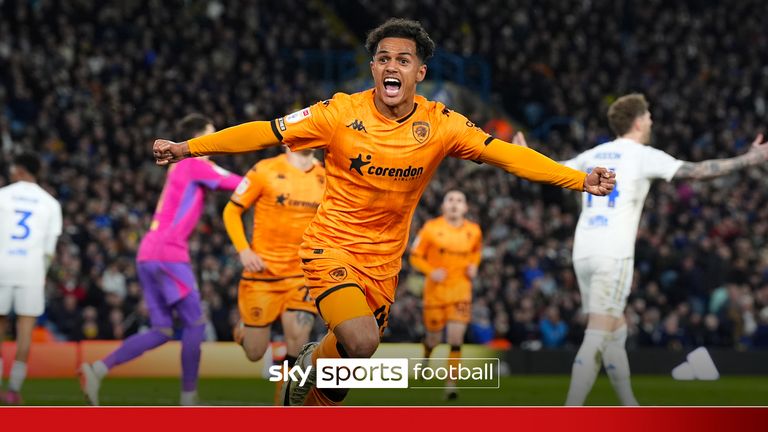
(29, 161)
(402, 28)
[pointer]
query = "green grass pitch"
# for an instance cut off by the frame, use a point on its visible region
(514, 390)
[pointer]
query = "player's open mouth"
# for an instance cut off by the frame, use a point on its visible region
(391, 86)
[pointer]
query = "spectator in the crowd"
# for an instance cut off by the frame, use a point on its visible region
(553, 330)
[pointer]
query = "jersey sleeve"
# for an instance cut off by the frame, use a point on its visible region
(247, 192)
(249, 189)
(419, 250)
(658, 164)
(463, 139)
(54, 229)
(311, 127)
(477, 247)
(213, 176)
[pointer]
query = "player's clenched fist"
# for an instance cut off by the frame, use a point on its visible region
(167, 152)
(600, 181)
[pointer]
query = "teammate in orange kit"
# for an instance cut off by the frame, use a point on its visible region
(285, 192)
(381, 148)
(447, 250)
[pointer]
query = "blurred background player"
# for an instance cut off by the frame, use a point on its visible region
(30, 225)
(447, 250)
(164, 269)
(382, 147)
(285, 192)
(604, 269)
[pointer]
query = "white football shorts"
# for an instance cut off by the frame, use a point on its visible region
(604, 283)
(27, 300)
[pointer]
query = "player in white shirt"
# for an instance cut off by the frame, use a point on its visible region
(30, 225)
(604, 244)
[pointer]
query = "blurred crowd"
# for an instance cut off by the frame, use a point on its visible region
(89, 85)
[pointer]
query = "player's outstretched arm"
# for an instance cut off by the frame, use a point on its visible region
(243, 138)
(712, 168)
(534, 166)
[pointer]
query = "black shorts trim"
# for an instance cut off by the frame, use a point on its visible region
(237, 203)
(332, 290)
(258, 326)
(270, 279)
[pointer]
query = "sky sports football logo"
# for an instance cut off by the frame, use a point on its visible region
(478, 373)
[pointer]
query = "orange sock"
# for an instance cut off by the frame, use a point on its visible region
(427, 351)
(454, 357)
(328, 348)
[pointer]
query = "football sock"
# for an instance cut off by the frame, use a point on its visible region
(427, 351)
(100, 369)
(586, 366)
(617, 366)
(329, 347)
(18, 373)
(454, 357)
(191, 339)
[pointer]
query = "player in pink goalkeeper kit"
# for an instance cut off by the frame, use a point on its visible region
(164, 269)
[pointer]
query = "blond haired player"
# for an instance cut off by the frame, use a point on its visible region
(604, 270)
(285, 192)
(447, 250)
(381, 148)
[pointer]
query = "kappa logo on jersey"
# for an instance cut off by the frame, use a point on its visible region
(420, 131)
(298, 116)
(359, 165)
(357, 125)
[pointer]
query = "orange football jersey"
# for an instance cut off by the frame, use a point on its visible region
(442, 245)
(285, 200)
(377, 169)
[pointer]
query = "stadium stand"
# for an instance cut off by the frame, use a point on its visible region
(89, 84)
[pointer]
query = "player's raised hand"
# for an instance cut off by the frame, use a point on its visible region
(759, 149)
(167, 152)
(600, 181)
(519, 139)
(251, 262)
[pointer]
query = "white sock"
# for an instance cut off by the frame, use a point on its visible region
(188, 398)
(617, 366)
(18, 373)
(586, 366)
(100, 369)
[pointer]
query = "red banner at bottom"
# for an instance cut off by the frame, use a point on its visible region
(641, 419)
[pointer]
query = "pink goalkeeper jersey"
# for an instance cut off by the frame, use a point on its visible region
(180, 207)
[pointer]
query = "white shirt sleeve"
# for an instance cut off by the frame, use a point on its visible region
(657, 164)
(54, 229)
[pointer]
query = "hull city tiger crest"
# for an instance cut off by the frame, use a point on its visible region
(420, 131)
